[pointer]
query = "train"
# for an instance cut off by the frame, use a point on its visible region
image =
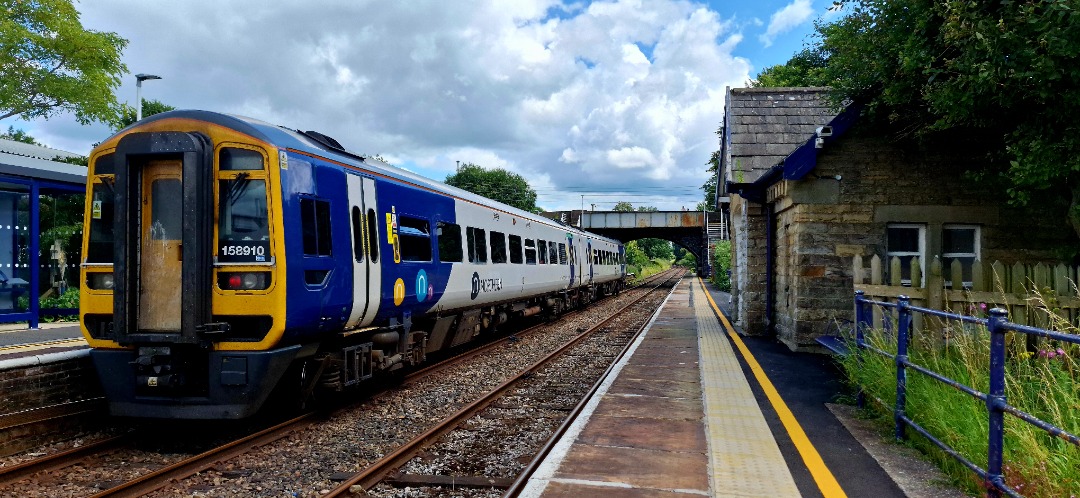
(226, 259)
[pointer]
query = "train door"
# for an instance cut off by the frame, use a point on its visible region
(367, 272)
(160, 256)
(591, 257)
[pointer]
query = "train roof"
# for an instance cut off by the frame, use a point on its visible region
(321, 145)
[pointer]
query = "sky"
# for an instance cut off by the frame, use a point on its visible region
(592, 102)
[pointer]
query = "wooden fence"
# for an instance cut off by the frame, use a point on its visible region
(1035, 295)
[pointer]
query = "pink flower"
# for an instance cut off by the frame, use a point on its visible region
(1043, 353)
(1060, 352)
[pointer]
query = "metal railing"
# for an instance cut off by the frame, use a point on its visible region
(995, 399)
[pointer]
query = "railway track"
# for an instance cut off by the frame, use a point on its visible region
(156, 471)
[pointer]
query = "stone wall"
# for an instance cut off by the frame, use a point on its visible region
(748, 269)
(822, 222)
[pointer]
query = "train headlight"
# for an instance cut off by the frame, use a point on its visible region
(100, 281)
(244, 281)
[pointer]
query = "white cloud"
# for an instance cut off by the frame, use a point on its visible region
(599, 96)
(786, 19)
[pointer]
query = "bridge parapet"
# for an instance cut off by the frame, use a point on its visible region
(642, 219)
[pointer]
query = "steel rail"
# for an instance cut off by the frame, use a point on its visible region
(59, 460)
(515, 489)
(376, 472)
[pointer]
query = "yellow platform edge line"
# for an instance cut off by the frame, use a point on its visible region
(824, 478)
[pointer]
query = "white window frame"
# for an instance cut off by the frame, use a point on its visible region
(921, 254)
(975, 255)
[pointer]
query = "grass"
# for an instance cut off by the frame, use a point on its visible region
(1044, 383)
(653, 267)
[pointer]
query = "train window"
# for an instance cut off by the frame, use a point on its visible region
(104, 165)
(100, 246)
(315, 223)
(373, 236)
(232, 159)
(530, 252)
(474, 238)
(595, 257)
(358, 234)
(165, 210)
(415, 237)
(243, 220)
(449, 237)
(562, 253)
(553, 253)
(498, 247)
(515, 249)
(541, 251)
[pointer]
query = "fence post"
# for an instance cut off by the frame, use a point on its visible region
(995, 402)
(860, 324)
(903, 325)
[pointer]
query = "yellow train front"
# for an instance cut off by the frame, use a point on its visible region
(183, 296)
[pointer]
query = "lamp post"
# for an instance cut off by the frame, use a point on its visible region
(138, 92)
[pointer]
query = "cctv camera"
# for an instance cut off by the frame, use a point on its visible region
(824, 131)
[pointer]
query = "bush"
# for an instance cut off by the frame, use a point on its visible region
(721, 264)
(69, 299)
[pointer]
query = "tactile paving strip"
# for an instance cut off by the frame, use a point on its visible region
(744, 458)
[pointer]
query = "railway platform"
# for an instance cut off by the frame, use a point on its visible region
(19, 342)
(691, 411)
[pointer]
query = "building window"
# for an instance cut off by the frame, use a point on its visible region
(477, 243)
(515, 249)
(959, 243)
(414, 235)
(449, 237)
(498, 247)
(906, 241)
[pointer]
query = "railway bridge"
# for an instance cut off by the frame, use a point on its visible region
(693, 230)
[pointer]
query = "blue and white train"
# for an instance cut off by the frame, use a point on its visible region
(224, 257)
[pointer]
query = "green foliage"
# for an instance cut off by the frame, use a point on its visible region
(806, 68)
(635, 256)
(998, 79)
(1045, 384)
(69, 299)
(687, 260)
(496, 184)
(721, 264)
(19, 136)
(149, 108)
(656, 249)
(623, 206)
(50, 63)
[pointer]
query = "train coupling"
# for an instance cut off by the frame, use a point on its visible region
(156, 369)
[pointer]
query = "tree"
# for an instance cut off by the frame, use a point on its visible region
(656, 248)
(19, 136)
(623, 206)
(806, 68)
(51, 64)
(495, 184)
(149, 108)
(996, 78)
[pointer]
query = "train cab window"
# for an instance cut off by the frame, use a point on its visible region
(358, 234)
(541, 251)
(530, 252)
(373, 235)
(498, 247)
(100, 246)
(315, 223)
(553, 253)
(232, 159)
(104, 165)
(562, 253)
(415, 237)
(449, 238)
(515, 249)
(243, 220)
(477, 243)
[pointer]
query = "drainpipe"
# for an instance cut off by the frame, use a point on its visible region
(770, 270)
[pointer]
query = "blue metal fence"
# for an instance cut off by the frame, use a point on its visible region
(995, 399)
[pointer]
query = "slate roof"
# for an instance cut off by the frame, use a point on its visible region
(764, 125)
(28, 150)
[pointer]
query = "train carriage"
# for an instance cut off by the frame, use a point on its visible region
(225, 257)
